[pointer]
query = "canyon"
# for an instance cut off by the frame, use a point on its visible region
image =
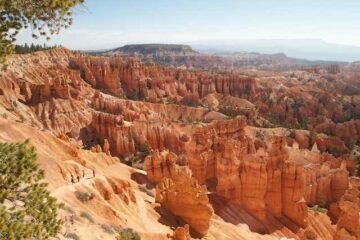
(185, 153)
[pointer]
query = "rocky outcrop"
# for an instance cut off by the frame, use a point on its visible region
(331, 144)
(349, 132)
(154, 83)
(187, 200)
(265, 183)
(145, 111)
(112, 187)
(217, 142)
(63, 116)
(161, 165)
(302, 138)
(106, 147)
(44, 91)
(126, 138)
(274, 181)
(348, 225)
(181, 233)
(310, 102)
(101, 73)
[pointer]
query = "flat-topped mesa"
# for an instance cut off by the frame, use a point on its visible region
(154, 50)
(155, 83)
(187, 200)
(348, 225)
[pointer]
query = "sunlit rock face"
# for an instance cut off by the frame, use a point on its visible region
(348, 225)
(182, 233)
(161, 165)
(187, 200)
(136, 81)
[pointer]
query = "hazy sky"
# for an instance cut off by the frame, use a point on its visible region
(110, 23)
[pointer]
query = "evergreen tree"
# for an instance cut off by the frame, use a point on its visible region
(128, 234)
(23, 49)
(43, 16)
(32, 47)
(26, 208)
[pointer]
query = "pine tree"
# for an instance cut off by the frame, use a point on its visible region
(44, 17)
(26, 208)
(32, 47)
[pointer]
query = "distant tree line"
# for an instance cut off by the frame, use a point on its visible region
(26, 48)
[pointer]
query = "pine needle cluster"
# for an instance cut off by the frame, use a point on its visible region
(26, 208)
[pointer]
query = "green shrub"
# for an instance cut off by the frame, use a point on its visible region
(21, 181)
(22, 118)
(303, 123)
(107, 228)
(138, 165)
(87, 216)
(319, 209)
(69, 209)
(147, 148)
(84, 196)
(356, 156)
(72, 236)
(259, 135)
(127, 234)
(333, 151)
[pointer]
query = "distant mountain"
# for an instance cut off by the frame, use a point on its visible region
(279, 59)
(355, 66)
(311, 49)
(154, 50)
(177, 55)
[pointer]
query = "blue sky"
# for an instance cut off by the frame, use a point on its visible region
(110, 23)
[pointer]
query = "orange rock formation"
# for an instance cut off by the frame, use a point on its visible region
(234, 133)
(348, 225)
(187, 200)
